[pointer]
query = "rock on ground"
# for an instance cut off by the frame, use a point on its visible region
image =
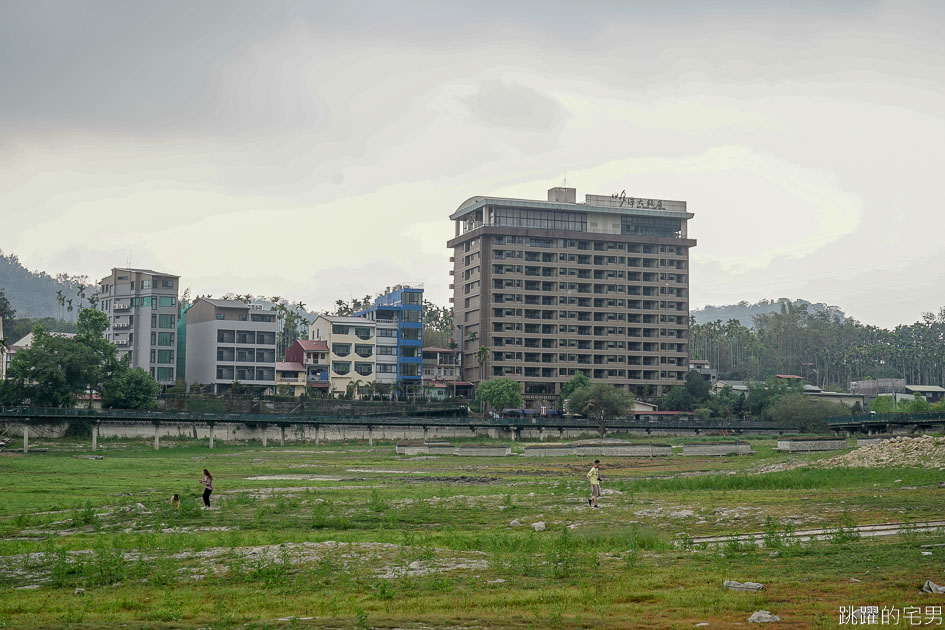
(762, 616)
(539, 526)
(743, 586)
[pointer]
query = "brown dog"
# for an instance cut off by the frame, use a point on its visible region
(175, 500)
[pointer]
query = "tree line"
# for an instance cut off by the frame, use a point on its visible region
(822, 346)
(57, 371)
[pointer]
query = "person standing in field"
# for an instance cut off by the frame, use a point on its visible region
(208, 487)
(593, 475)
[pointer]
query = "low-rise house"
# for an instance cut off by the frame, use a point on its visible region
(313, 354)
(290, 376)
(737, 386)
(441, 374)
(931, 393)
(704, 368)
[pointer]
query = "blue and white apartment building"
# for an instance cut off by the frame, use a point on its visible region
(398, 315)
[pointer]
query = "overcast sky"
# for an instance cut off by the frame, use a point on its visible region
(314, 150)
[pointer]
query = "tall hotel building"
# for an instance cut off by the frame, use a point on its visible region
(556, 287)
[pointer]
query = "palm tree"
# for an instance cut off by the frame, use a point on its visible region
(354, 387)
(93, 300)
(69, 307)
(80, 292)
(62, 300)
(482, 355)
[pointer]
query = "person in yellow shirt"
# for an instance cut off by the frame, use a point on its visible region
(593, 475)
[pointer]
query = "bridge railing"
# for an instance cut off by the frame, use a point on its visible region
(888, 418)
(537, 422)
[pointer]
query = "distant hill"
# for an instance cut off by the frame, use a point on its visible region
(33, 293)
(745, 312)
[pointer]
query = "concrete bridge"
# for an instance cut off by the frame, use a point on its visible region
(872, 423)
(265, 426)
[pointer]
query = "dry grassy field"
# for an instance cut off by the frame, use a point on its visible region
(355, 536)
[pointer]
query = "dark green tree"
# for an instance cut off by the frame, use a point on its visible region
(578, 381)
(437, 325)
(51, 372)
(676, 399)
(805, 413)
(6, 309)
(883, 404)
(500, 393)
(90, 332)
(602, 402)
(130, 389)
(698, 388)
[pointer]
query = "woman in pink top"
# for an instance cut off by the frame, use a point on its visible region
(208, 483)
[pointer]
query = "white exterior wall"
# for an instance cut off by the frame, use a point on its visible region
(387, 359)
(202, 346)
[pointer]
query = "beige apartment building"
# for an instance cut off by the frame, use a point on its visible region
(351, 343)
(555, 287)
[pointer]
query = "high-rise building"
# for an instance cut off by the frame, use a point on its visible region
(398, 313)
(552, 288)
(141, 306)
(230, 341)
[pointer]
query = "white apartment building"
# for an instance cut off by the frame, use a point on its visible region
(141, 306)
(227, 341)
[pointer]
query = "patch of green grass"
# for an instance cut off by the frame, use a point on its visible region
(397, 541)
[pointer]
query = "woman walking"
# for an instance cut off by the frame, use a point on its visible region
(208, 487)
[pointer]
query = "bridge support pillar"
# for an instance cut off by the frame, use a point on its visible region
(370, 436)
(425, 430)
(157, 437)
(211, 435)
(282, 435)
(316, 435)
(26, 438)
(94, 437)
(561, 433)
(265, 443)
(541, 434)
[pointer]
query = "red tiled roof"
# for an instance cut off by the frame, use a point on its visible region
(313, 345)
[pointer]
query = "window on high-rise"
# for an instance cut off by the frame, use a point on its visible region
(541, 219)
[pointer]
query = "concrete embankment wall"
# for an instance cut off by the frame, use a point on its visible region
(812, 444)
(332, 432)
(717, 449)
(603, 450)
(869, 440)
